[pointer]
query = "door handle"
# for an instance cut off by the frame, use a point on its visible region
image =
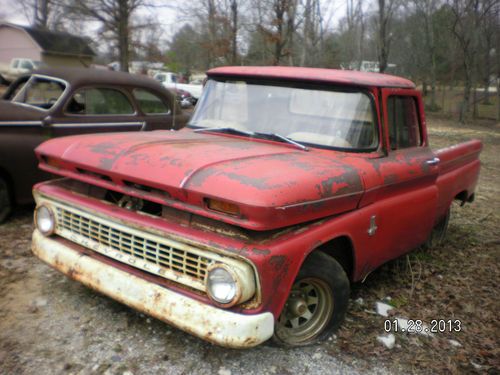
(433, 161)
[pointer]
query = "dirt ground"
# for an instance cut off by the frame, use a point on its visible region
(52, 325)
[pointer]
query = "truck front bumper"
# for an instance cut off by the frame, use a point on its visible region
(210, 323)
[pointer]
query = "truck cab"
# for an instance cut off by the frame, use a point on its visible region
(251, 223)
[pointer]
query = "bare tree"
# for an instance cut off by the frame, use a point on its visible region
(45, 14)
(234, 31)
(490, 34)
(115, 18)
(426, 10)
(312, 33)
(218, 23)
(468, 17)
(277, 22)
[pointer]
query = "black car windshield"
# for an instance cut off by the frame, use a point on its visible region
(309, 115)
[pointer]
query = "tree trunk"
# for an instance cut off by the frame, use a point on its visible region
(487, 69)
(123, 34)
(211, 32)
(498, 98)
(307, 23)
(464, 107)
(383, 52)
(475, 112)
(279, 39)
(234, 31)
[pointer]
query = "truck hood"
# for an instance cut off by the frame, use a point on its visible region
(16, 112)
(274, 185)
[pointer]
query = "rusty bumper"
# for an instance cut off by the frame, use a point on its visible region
(210, 323)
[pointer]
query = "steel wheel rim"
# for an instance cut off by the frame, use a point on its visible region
(297, 325)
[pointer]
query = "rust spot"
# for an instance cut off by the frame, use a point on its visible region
(390, 179)
(261, 251)
(277, 262)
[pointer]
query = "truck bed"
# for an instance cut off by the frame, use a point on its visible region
(458, 173)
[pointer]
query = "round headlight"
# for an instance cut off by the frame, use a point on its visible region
(222, 286)
(44, 220)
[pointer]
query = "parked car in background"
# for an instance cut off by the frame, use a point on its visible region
(184, 98)
(171, 81)
(59, 102)
(16, 68)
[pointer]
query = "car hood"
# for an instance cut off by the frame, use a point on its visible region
(17, 112)
(274, 185)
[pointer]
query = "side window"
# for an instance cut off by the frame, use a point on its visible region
(39, 92)
(15, 63)
(404, 129)
(99, 101)
(149, 103)
(25, 64)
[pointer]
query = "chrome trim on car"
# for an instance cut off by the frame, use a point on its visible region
(178, 261)
(21, 123)
(208, 322)
(90, 124)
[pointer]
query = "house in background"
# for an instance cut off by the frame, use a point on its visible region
(52, 48)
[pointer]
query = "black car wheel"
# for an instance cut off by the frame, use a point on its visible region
(5, 200)
(316, 305)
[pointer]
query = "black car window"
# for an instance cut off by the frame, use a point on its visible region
(99, 101)
(404, 129)
(25, 64)
(149, 103)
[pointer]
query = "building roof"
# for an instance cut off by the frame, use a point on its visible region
(318, 75)
(58, 43)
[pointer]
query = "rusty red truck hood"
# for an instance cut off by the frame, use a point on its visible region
(273, 185)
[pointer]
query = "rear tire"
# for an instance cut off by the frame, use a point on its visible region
(438, 233)
(6, 202)
(316, 305)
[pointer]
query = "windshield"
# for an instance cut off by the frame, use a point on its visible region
(40, 92)
(313, 116)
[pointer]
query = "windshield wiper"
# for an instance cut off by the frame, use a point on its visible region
(225, 129)
(282, 138)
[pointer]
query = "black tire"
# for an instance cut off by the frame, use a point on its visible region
(316, 305)
(438, 233)
(6, 202)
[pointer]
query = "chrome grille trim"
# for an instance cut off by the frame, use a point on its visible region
(162, 256)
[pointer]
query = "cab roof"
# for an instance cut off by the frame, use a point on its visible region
(317, 75)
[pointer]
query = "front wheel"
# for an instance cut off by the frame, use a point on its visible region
(5, 200)
(317, 303)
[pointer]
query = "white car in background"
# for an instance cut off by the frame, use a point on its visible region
(171, 81)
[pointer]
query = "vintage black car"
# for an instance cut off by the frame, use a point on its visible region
(59, 102)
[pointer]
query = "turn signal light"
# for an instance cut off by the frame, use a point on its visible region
(53, 162)
(221, 206)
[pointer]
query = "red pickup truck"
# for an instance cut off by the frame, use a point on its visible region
(287, 185)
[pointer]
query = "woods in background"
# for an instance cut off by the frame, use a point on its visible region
(441, 44)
